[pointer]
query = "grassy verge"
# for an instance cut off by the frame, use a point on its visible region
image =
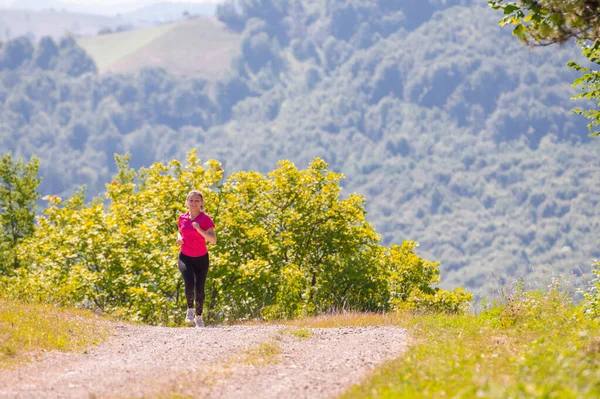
(536, 346)
(28, 330)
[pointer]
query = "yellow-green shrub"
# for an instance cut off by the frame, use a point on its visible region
(288, 246)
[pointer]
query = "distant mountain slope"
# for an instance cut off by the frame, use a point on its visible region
(458, 136)
(200, 47)
(57, 24)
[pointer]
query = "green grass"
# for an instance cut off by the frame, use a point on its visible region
(536, 346)
(27, 331)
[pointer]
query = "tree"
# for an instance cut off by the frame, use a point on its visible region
(105, 31)
(288, 246)
(546, 22)
(291, 246)
(228, 12)
(237, 13)
(46, 53)
(73, 60)
(119, 259)
(18, 195)
(16, 53)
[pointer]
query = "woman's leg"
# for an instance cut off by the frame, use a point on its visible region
(200, 270)
(186, 268)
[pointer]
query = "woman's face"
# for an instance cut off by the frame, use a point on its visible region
(195, 202)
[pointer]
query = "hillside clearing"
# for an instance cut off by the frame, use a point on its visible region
(201, 47)
(108, 49)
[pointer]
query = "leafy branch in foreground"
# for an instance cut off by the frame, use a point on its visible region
(546, 22)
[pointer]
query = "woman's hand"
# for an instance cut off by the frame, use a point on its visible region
(179, 241)
(209, 235)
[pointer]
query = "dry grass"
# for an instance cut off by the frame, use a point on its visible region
(27, 331)
(351, 319)
(108, 49)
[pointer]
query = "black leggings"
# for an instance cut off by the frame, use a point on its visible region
(194, 271)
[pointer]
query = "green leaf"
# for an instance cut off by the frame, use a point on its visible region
(519, 30)
(511, 8)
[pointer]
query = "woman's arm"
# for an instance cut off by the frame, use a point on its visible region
(209, 235)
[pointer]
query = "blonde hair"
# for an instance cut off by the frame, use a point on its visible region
(196, 192)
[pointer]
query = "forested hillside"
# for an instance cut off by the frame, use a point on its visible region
(458, 137)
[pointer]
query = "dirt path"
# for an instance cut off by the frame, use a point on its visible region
(213, 362)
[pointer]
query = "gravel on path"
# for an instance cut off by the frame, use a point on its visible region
(213, 362)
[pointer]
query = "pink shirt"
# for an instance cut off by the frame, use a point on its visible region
(194, 244)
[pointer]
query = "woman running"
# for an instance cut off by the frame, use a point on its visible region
(195, 229)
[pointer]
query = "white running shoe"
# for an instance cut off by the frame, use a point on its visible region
(199, 321)
(189, 317)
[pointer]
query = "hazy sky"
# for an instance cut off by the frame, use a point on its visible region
(129, 2)
(15, 3)
(93, 6)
